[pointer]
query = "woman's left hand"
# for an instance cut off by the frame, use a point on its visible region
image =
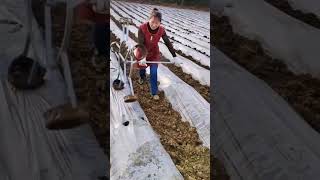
(143, 62)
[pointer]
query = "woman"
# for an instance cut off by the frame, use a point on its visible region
(149, 35)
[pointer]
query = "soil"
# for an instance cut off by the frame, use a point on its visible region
(301, 91)
(308, 18)
(90, 82)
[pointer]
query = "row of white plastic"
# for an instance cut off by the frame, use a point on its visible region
(307, 6)
(177, 33)
(188, 16)
(171, 17)
(191, 40)
(175, 27)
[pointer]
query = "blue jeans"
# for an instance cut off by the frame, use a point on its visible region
(153, 77)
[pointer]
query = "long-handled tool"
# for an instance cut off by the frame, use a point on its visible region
(125, 32)
(68, 115)
(117, 84)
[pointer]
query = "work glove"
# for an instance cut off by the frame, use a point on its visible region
(143, 62)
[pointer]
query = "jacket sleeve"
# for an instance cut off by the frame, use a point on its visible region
(168, 44)
(140, 36)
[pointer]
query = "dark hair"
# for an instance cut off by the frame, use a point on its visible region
(156, 13)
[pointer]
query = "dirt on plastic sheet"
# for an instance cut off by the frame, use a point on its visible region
(284, 6)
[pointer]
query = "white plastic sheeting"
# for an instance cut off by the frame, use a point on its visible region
(178, 29)
(124, 14)
(184, 99)
(201, 58)
(197, 72)
(183, 17)
(187, 101)
(284, 37)
(309, 6)
(136, 151)
(28, 150)
(132, 29)
(256, 134)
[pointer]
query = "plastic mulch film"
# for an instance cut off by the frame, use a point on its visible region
(309, 6)
(197, 72)
(28, 150)
(136, 151)
(187, 101)
(256, 134)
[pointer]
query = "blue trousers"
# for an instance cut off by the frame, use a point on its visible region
(153, 77)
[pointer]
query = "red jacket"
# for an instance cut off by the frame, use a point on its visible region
(151, 42)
